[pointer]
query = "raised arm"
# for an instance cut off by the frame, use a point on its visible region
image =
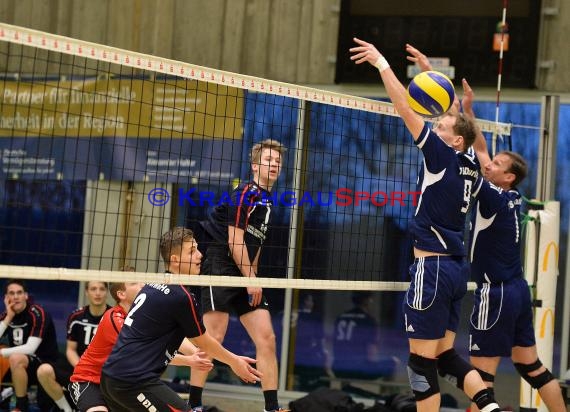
(418, 57)
(366, 52)
(480, 144)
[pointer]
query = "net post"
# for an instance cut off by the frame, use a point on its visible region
(546, 174)
(295, 236)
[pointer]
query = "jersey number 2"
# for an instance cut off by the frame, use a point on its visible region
(137, 304)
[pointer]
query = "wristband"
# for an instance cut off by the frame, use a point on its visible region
(381, 64)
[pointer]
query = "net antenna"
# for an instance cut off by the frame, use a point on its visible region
(503, 30)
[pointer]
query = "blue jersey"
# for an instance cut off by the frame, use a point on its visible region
(447, 181)
(159, 319)
(495, 235)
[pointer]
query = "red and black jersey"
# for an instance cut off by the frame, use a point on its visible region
(34, 321)
(88, 369)
(81, 327)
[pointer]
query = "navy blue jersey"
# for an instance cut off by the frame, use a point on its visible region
(81, 327)
(159, 319)
(249, 208)
(447, 181)
(495, 235)
(354, 331)
(34, 321)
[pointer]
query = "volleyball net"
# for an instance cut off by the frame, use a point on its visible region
(102, 150)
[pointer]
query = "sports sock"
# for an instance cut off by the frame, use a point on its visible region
(63, 404)
(271, 402)
(195, 396)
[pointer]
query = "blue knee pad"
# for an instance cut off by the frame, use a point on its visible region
(453, 367)
(422, 373)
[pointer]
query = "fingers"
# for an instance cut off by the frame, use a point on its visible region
(251, 375)
(466, 87)
(361, 42)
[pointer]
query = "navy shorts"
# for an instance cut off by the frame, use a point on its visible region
(501, 318)
(225, 299)
(86, 395)
(432, 303)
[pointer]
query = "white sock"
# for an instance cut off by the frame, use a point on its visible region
(63, 404)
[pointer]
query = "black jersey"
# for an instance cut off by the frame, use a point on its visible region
(159, 319)
(34, 321)
(81, 327)
(248, 208)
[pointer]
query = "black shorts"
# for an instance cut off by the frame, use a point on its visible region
(153, 395)
(86, 395)
(63, 371)
(33, 364)
(221, 298)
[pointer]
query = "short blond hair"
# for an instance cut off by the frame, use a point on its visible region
(255, 154)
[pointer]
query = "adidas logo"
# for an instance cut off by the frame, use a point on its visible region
(410, 328)
(475, 347)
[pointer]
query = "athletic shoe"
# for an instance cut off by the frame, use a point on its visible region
(278, 410)
(198, 409)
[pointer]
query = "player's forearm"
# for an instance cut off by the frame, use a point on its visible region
(28, 348)
(213, 348)
(395, 90)
(241, 259)
(180, 360)
(72, 357)
(187, 348)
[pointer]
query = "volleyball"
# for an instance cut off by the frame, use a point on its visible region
(430, 93)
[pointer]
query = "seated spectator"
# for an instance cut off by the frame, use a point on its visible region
(356, 343)
(81, 327)
(31, 340)
(84, 386)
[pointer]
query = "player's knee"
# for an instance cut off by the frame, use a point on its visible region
(486, 376)
(536, 380)
(18, 360)
(453, 367)
(422, 373)
(45, 371)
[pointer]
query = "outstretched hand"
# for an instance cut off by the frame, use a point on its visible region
(364, 52)
(468, 97)
(199, 360)
(247, 373)
(418, 57)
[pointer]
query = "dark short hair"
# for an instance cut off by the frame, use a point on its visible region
(518, 166)
(114, 289)
(359, 297)
(171, 242)
(14, 281)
